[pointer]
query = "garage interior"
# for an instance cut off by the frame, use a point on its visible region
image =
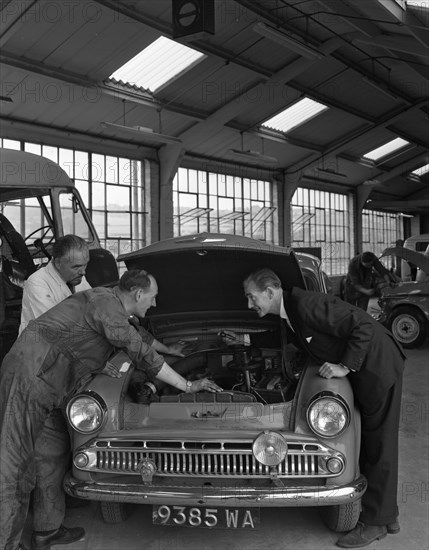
(213, 152)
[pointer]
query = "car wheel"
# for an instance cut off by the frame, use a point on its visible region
(113, 512)
(343, 517)
(408, 326)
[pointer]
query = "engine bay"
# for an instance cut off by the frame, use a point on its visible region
(234, 363)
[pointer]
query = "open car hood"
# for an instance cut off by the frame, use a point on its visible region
(419, 259)
(205, 272)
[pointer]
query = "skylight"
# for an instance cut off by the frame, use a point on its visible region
(418, 3)
(386, 149)
(422, 170)
(295, 115)
(157, 64)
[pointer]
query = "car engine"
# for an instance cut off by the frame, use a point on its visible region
(241, 368)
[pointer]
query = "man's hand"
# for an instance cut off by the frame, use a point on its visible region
(205, 384)
(333, 370)
(233, 339)
(176, 349)
(111, 370)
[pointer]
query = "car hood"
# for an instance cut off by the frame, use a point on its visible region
(419, 259)
(205, 272)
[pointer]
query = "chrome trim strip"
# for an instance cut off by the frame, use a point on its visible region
(272, 496)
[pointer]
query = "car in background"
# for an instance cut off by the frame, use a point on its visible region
(53, 208)
(214, 460)
(404, 307)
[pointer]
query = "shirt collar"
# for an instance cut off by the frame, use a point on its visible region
(283, 313)
(54, 273)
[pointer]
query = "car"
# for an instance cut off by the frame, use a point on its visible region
(404, 307)
(54, 208)
(214, 460)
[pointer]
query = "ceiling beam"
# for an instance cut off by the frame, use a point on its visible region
(111, 89)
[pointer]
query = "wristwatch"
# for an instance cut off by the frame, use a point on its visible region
(188, 386)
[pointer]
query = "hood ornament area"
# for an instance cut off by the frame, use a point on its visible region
(147, 470)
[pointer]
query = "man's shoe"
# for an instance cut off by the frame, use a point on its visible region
(63, 535)
(393, 528)
(362, 535)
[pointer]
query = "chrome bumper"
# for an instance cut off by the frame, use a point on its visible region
(217, 496)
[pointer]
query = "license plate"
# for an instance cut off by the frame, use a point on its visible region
(208, 518)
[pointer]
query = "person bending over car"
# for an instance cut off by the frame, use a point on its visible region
(49, 361)
(360, 283)
(346, 341)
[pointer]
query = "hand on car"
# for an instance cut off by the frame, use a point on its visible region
(205, 384)
(176, 349)
(232, 338)
(332, 370)
(111, 370)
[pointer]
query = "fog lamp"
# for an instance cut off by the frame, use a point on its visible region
(334, 465)
(270, 448)
(81, 460)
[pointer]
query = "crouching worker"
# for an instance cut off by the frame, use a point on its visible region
(43, 369)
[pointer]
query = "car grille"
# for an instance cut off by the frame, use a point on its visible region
(195, 459)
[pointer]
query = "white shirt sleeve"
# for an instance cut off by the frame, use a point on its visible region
(42, 290)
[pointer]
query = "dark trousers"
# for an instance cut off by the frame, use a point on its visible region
(379, 457)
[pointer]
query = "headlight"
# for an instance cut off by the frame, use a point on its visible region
(328, 416)
(270, 448)
(86, 413)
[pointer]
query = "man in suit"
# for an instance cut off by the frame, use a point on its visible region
(346, 341)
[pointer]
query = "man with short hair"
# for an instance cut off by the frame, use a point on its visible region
(45, 366)
(346, 341)
(360, 279)
(63, 276)
(45, 288)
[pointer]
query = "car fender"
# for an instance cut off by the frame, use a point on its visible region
(348, 442)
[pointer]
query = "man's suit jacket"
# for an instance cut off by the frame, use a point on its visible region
(330, 329)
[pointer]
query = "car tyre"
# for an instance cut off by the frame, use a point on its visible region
(113, 512)
(409, 326)
(343, 517)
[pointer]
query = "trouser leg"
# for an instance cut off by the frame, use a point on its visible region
(52, 452)
(379, 458)
(21, 419)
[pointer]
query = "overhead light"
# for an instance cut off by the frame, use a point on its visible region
(371, 182)
(253, 157)
(414, 177)
(330, 172)
(402, 215)
(142, 132)
(284, 40)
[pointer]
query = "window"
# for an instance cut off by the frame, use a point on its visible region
(321, 219)
(111, 187)
(380, 230)
(222, 203)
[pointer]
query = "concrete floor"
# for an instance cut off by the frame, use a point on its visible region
(293, 528)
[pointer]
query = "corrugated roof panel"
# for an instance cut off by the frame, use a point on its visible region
(386, 149)
(157, 64)
(295, 115)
